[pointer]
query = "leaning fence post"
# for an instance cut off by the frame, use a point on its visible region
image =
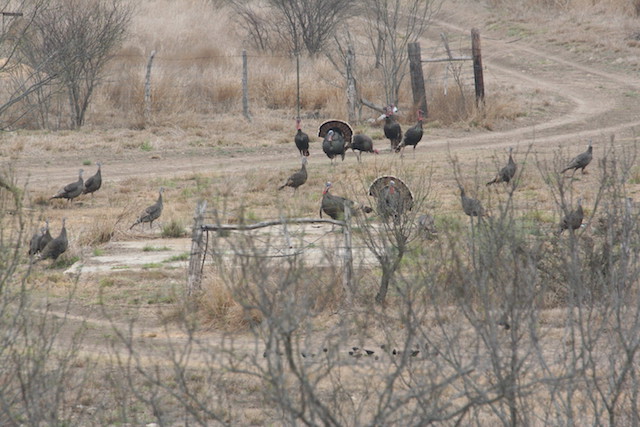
(477, 65)
(194, 281)
(347, 278)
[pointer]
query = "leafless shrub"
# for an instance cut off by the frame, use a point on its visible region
(38, 354)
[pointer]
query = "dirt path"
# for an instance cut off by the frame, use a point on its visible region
(597, 105)
(601, 103)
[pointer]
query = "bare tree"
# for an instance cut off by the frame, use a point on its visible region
(72, 41)
(393, 25)
(298, 24)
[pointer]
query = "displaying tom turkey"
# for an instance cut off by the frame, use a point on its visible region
(57, 246)
(394, 198)
(506, 173)
(72, 190)
(413, 135)
(151, 213)
(362, 143)
(297, 178)
(580, 161)
(337, 135)
(302, 140)
(392, 129)
(93, 183)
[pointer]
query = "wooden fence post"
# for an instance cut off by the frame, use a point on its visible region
(477, 65)
(245, 86)
(147, 88)
(417, 78)
(194, 281)
(347, 278)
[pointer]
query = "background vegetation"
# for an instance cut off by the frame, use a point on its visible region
(497, 321)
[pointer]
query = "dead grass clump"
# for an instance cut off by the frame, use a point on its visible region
(221, 310)
(175, 228)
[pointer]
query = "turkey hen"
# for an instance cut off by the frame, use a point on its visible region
(413, 134)
(470, 206)
(392, 129)
(151, 213)
(71, 191)
(297, 178)
(57, 246)
(302, 140)
(93, 183)
(580, 161)
(506, 173)
(40, 239)
(362, 143)
(572, 220)
(427, 226)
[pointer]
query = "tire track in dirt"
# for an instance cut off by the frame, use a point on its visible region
(595, 93)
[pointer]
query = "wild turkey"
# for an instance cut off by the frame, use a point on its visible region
(57, 246)
(393, 196)
(337, 134)
(572, 220)
(361, 142)
(71, 191)
(580, 161)
(413, 134)
(427, 226)
(297, 178)
(507, 172)
(470, 206)
(93, 183)
(334, 205)
(40, 239)
(302, 140)
(392, 129)
(151, 213)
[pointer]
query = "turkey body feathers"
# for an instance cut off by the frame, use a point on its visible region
(333, 145)
(302, 142)
(93, 183)
(572, 220)
(393, 132)
(57, 246)
(580, 161)
(507, 173)
(151, 213)
(362, 143)
(470, 206)
(72, 190)
(414, 134)
(298, 178)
